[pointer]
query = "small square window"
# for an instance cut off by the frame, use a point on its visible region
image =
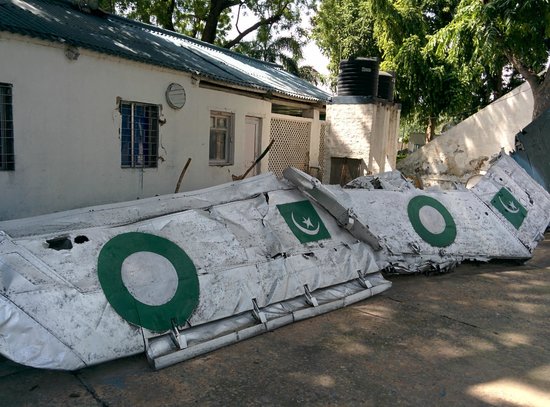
(221, 138)
(7, 158)
(139, 135)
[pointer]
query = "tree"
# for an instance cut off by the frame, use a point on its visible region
(343, 29)
(452, 57)
(210, 20)
(284, 50)
(185, 16)
(428, 87)
(485, 31)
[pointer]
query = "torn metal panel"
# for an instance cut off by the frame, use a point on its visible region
(435, 230)
(329, 200)
(124, 213)
(262, 255)
(441, 230)
(22, 339)
(163, 352)
(269, 248)
(532, 147)
(519, 202)
(389, 181)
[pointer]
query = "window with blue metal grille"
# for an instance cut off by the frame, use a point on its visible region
(7, 159)
(139, 135)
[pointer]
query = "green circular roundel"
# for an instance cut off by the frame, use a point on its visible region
(443, 239)
(154, 317)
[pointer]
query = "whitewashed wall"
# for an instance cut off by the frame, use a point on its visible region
(465, 149)
(362, 131)
(66, 129)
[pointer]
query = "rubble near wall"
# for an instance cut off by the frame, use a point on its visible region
(465, 150)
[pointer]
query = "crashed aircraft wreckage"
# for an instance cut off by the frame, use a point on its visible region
(180, 275)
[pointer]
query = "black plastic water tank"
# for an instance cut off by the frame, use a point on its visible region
(358, 77)
(386, 83)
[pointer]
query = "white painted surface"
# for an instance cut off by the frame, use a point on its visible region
(466, 148)
(242, 250)
(66, 128)
(149, 277)
(432, 220)
(362, 131)
(253, 137)
(49, 298)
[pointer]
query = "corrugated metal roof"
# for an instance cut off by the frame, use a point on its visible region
(60, 21)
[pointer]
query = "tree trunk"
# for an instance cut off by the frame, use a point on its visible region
(540, 85)
(430, 130)
(165, 20)
(541, 96)
(273, 19)
(216, 9)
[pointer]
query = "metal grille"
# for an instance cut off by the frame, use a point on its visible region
(322, 150)
(291, 147)
(7, 159)
(139, 135)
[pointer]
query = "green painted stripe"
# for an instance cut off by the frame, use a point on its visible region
(156, 318)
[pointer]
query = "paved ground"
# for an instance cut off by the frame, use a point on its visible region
(478, 336)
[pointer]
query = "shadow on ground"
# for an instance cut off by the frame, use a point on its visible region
(475, 337)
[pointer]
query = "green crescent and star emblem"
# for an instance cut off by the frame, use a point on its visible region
(509, 207)
(302, 218)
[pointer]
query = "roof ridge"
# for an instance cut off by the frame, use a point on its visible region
(71, 22)
(169, 33)
(164, 31)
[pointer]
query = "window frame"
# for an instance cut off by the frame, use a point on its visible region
(129, 158)
(229, 138)
(7, 155)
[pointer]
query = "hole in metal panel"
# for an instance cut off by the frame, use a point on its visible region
(81, 239)
(60, 243)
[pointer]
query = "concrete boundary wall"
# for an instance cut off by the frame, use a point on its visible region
(465, 149)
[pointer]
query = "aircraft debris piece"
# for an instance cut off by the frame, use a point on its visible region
(532, 147)
(223, 264)
(424, 231)
(181, 275)
(391, 180)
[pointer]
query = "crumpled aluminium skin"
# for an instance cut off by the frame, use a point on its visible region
(82, 287)
(242, 250)
(504, 216)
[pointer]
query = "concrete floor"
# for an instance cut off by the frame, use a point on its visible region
(478, 336)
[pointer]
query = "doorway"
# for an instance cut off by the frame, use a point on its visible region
(252, 143)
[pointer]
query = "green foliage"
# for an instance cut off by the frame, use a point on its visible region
(480, 32)
(451, 57)
(489, 36)
(210, 20)
(344, 29)
(185, 16)
(283, 50)
(192, 17)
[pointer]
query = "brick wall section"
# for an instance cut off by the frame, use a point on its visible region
(362, 131)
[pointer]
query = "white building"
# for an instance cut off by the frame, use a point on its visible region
(95, 108)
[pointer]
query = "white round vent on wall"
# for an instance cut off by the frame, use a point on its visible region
(175, 96)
